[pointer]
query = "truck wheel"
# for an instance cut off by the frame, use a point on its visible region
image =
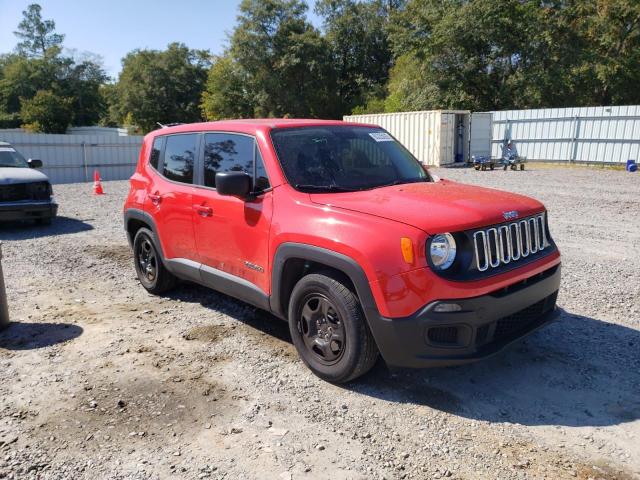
(153, 275)
(329, 330)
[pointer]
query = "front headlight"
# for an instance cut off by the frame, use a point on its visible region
(442, 251)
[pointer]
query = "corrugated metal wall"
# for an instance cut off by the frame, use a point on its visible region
(589, 134)
(73, 158)
(428, 135)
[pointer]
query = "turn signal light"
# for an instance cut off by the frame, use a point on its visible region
(406, 245)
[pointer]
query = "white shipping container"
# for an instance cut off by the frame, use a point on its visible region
(435, 137)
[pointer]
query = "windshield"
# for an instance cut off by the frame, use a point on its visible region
(10, 158)
(344, 158)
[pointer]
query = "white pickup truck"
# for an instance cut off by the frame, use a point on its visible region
(25, 193)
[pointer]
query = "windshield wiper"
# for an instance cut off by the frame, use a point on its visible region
(399, 182)
(325, 188)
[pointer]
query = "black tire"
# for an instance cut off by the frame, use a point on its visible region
(477, 167)
(522, 166)
(152, 273)
(334, 340)
(492, 166)
(505, 168)
(484, 167)
(514, 167)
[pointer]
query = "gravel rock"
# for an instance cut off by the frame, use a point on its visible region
(561, 404)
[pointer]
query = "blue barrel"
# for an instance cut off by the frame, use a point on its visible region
(632, 166)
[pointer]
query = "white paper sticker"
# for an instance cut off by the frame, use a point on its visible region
(381, 137)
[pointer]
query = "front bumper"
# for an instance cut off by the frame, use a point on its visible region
(28, 210)
(483, 326)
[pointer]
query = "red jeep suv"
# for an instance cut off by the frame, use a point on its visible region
(337, 229)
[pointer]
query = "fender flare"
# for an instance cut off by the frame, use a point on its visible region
(343, 263)
(142, 216)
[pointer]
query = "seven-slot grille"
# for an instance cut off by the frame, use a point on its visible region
(510, 242)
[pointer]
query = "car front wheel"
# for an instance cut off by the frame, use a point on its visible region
(329, 330)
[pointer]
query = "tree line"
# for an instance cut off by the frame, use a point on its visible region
(367, 56)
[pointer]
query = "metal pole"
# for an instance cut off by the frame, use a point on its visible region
(84, 162)
(4, 309)
(574, 142)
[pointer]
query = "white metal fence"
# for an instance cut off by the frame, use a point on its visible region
(73, 158)
(589, 134)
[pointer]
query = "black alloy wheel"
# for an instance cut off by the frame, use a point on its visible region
(152, 273)
(321, 329)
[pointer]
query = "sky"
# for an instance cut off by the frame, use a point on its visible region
(111, 28)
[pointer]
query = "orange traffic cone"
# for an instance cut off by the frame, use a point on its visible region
(97, 184)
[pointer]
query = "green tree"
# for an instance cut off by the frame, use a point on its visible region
(36, 35)
(46, 112)
(284, 59)
(469, 54)
(226, 94)
(162, 86)
(608, 71)
(81, 81)
(360, 50)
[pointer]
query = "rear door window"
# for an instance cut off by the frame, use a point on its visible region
(228, 152)
(179, 157)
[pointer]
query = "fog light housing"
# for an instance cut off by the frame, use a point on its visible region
(447, 308)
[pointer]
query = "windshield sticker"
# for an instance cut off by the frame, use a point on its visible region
(381, 137)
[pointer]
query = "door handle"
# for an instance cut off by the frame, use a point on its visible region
(203, 210)
(155, 198)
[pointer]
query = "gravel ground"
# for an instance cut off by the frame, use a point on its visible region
(98, 379)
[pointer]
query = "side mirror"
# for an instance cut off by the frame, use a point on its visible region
(34, 163)
(235, 184)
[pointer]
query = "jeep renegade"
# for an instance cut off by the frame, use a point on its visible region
(337, 229)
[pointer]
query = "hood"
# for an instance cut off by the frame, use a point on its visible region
(434, 207)
(9, 176)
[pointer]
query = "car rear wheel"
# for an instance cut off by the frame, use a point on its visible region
(152, 273)
(329, 330)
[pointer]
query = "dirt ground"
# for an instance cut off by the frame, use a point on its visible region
(98, 379)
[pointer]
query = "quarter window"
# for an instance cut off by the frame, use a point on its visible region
(179, 157)
(224, 152)
(155, 152)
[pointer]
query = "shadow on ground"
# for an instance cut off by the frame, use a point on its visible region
(30, 336)
(28, 229)
(579, 371)
(250, 316)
